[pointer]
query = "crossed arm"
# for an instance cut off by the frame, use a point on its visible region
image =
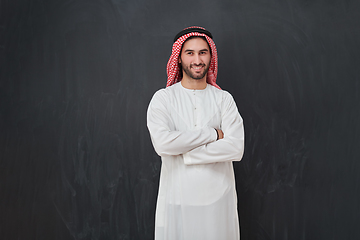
(197, 146)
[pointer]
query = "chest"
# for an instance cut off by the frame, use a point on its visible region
(191, 110)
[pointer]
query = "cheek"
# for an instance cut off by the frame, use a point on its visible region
(208, 60)
(183, 60)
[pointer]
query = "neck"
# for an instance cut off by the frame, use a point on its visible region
(197, 84)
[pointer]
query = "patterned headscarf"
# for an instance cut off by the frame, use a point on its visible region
(173, 69)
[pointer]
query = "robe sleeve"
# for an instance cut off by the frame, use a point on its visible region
(230, 148)
(169, 142)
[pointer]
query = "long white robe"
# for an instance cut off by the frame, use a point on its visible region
(197, 196)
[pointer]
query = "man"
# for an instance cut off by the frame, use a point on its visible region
(196, 129)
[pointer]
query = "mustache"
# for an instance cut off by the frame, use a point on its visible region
(197, 65)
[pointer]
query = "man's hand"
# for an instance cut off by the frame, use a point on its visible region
(220, 134)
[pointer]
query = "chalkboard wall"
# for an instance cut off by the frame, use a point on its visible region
(76, 161)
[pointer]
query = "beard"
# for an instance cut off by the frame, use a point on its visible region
(195, 76)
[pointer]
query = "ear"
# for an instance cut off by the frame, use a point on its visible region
(179, 60)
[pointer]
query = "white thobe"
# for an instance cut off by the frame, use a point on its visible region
(197, 196)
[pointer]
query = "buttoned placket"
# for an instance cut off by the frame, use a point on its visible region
(196, 110)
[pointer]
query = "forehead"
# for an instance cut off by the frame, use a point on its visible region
(195, 43)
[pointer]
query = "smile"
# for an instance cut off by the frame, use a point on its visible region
(197, 68)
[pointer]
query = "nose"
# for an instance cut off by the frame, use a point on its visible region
(197, 59)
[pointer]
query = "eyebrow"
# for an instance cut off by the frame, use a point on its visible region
(202, 50)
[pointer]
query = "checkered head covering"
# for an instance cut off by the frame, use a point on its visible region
(173, 67)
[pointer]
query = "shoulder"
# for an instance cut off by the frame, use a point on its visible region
(160, 93)
(221, 94)
(164, 94)
(159, 98)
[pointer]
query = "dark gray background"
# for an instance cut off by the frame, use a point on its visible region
(76, 161)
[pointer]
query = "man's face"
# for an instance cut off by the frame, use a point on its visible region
(195, 58)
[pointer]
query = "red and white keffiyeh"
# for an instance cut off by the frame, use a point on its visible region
(173, 68)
